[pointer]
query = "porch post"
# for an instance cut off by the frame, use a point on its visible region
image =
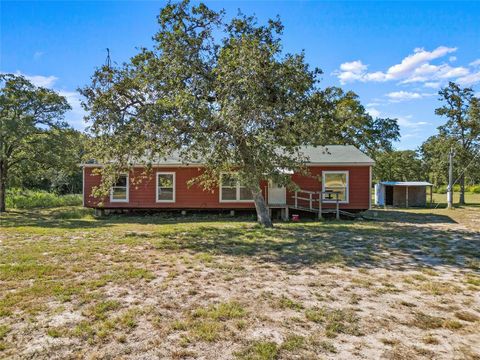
(338, 209)
(406, 197)
(320, 205)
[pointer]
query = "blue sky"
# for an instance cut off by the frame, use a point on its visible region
(395, 55)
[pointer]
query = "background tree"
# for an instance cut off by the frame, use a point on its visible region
(398, 166)
(461, 109)
(341, 119)
(54, 166)
(30, 118)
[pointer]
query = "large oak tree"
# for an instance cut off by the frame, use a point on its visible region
(30, 120)
(219, 91)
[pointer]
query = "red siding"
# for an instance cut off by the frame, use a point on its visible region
(142, 195)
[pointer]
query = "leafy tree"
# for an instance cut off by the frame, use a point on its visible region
(224, 92)
(342, 119)
(461, 109)
(237, 103)
(29, 116)
(398, 166)
(59, 170)
(434, 153)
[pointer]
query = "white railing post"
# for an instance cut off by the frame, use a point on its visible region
(320, 205)
(296, 198)
(338, 210)
(310, 198)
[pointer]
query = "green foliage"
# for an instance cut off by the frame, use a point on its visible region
(460, 132)
(31, 128)
(29, 199)
(233, 99)
(398, 166)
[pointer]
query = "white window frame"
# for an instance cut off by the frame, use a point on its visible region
(237, 192)
(347, 188)
(174, 186)
(112, 200)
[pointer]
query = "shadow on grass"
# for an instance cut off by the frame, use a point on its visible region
(400, 245)
(300, 245)
(409, 217)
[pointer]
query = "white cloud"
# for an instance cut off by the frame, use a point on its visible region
(416, 67)
(432, 85)
(469, 79)
(403, 95)
(398, 96)
(75, 116)
(40, 80)
(475, 63)
(452, 58)
(417, 59)
(407, 122)
(372, 111)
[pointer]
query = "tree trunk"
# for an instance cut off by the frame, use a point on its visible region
(261, 206)
(462, 190)
(3, 185)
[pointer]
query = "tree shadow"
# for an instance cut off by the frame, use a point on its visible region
(398, 247)
(408, 217)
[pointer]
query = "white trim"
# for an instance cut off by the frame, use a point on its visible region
(83, 187)
(166, 165)
(112, 200)
(174, 186)
(347, 189)
(237, 193)
(370, 188)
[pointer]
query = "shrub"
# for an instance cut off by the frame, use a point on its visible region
(474, 189)
(28, 199)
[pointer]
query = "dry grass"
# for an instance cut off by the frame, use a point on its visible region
(73, 286)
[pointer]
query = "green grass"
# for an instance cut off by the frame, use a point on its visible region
(131, 277)
(30, 199)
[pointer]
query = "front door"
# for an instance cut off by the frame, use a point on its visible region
(277, 195)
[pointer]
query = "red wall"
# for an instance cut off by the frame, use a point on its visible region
(142, 195)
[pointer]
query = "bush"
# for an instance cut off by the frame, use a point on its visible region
(474, 189)
(28, 199)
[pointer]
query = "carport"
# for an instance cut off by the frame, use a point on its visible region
(403, 193)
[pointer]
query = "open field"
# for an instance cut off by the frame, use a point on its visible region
(406, 286)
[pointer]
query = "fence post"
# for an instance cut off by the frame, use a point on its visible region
(338, 209)
(296, 199)
(310, 197)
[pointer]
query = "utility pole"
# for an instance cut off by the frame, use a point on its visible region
(450, 179)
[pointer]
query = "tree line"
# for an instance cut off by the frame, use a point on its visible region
(233, 99)
(460, 133)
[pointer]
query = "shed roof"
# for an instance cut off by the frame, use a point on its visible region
(406, 183)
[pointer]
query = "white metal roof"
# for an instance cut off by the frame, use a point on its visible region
(405, 183)
(328, 155)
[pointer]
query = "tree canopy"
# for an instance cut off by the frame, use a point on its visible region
(224, 92)
(461, 131)
(30, 119)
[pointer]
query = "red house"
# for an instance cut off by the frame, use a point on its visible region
(334, 171)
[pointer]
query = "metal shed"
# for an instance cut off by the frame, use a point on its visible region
(402, 193)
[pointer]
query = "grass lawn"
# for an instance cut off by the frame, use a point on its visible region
(405, 286)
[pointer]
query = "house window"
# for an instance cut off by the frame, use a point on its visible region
(165, 187)
(232, 190)
(119, 191)
(335, 182)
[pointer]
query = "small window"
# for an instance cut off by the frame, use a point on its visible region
(165, 187)
(335, 182)
(232, 190)
(119, 191)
